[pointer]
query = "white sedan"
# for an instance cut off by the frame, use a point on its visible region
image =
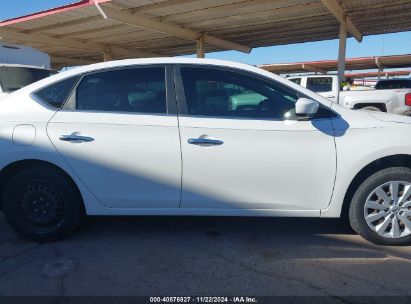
(172, 136)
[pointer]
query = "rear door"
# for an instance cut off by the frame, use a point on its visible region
(119, 133)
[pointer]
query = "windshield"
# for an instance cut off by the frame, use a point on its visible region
(14, 78)
(393, 84)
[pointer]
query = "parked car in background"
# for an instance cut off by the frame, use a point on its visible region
(21, 66)
(111, 139)
(16, 76)
(384, 100)
(397, 83)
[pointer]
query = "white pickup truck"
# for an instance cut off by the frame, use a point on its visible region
(397, 101)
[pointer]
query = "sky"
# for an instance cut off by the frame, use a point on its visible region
(387, 44)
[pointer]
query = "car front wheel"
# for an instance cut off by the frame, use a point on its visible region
(380, 209)
(42, 204)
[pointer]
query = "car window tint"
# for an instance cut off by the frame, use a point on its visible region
(57, 93)
(215, 92)
(393, 84)
(296, 80)
(320, 84)
(140, 90)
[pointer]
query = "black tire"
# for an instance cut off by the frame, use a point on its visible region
(356, 210)
(42, 204)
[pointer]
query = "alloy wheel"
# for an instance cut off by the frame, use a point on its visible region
(387, 209)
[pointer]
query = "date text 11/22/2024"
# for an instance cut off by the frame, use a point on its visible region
(238, 299)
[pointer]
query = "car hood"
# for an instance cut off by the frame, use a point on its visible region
(385, 117)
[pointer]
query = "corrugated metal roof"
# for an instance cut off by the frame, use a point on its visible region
(77, 33)
(363, 63)
(376, 74)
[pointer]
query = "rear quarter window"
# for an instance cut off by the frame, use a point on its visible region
(56, 94)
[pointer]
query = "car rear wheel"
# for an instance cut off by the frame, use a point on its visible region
(380, 210)
(42, 204)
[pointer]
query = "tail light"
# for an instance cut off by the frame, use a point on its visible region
(408, 99)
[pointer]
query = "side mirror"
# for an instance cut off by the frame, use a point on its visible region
(306, 107)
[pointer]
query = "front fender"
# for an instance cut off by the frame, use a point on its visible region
(356, 149)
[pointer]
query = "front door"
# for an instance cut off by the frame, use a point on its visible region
(242, 150)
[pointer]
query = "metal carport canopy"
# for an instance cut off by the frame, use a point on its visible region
(92, 30)
(324, 66)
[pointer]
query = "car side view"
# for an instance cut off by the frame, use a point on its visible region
(197, 137)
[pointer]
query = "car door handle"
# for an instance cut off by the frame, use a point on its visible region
(74, 137)
(205, 141)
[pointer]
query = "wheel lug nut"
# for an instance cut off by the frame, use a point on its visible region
(392, 215)
(400, 204)
(401, 212)
(386, 209)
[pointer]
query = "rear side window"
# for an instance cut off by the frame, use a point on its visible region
(141, 90)
(57, 93)
(320, 84)
(393, 84)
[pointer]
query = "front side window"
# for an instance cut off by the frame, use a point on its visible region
(57, 93)
(320, 84)
(214, 92)
(141, 90)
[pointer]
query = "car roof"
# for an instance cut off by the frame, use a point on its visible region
(160, 60)
(147, 61)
